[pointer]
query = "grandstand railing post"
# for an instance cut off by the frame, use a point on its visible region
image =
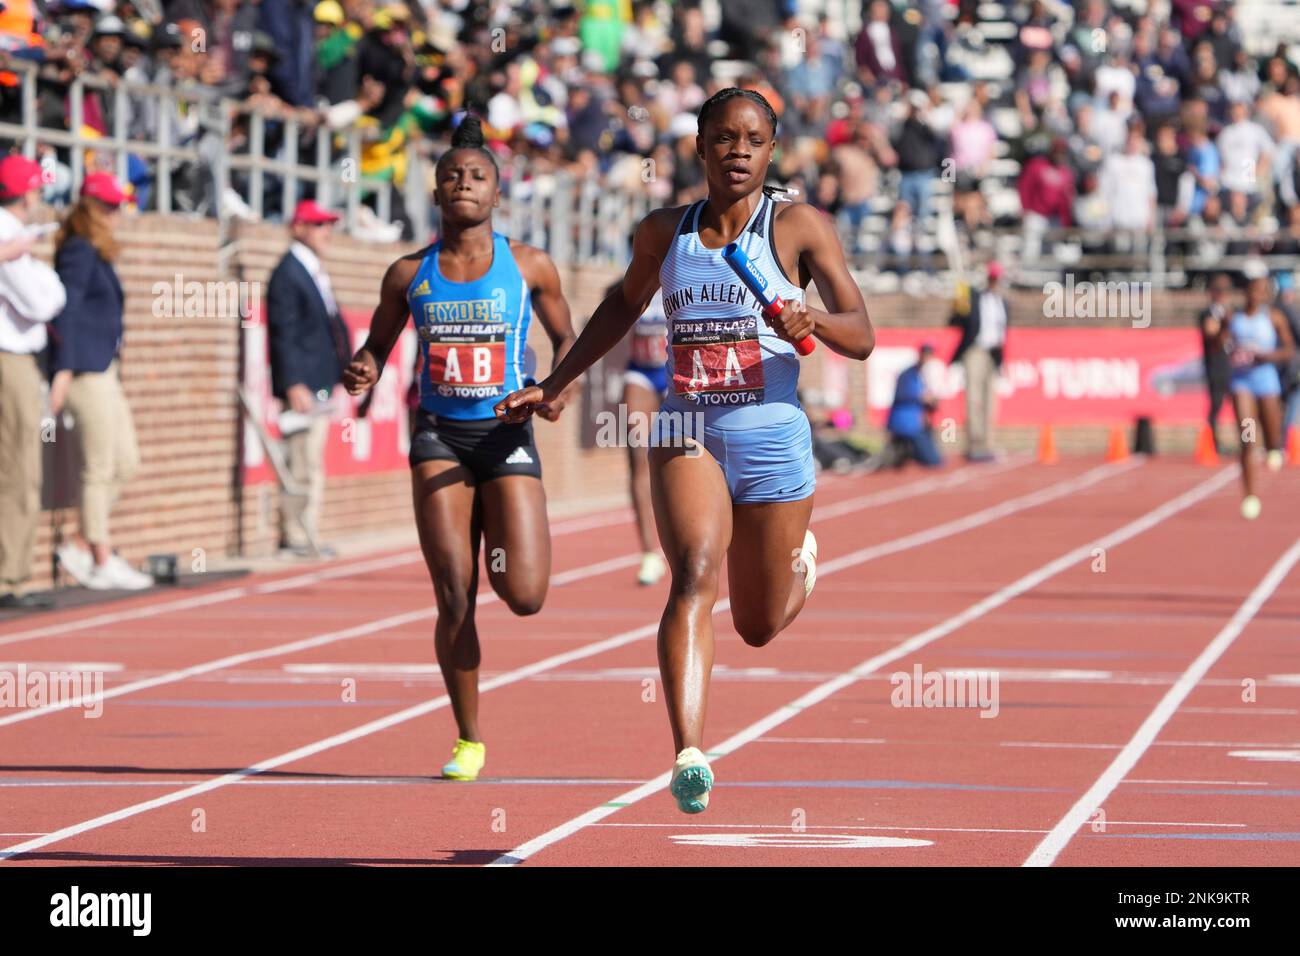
(120, 108)
(166, 111)
(586, 217)
(76, 118)
(257, 153)
(417, 201)
(324, 187)
(384, 200)
(515, 217)
(29, 113)
(562, 219)
(290, 196)
(537, 217)
(352, 183)
(221, 175)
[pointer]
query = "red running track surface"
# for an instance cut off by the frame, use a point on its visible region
(1143, 637)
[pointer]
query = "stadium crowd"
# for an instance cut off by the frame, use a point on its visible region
(1106, 116)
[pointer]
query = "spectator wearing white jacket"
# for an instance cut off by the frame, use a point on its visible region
(30, 296)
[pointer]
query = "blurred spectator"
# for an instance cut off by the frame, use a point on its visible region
(879, 51)
(1046, 195)
(31, 295)
(1128, 181)
(983, 325)
(973, 141)
(1244, 150)
(86, 381)
(1218, 372)
(919, 151)
(910, 434)
(309, 347)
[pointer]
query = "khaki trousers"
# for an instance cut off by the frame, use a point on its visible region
(106, 445)
(20, 467)
(981, 401)
(305, 451)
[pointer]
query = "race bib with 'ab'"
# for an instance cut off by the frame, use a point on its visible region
(718, 361)
(466, 360)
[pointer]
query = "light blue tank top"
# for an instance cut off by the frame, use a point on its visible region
(472, 334)
(1255, 330)
(724, 360)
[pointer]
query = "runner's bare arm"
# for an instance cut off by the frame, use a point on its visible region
(621, 307)
(846, 328)
(1285, 350)
(385, 326)
(552, 310)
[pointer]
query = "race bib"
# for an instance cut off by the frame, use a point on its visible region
(465, 360)
(649, 347)
(718, 361)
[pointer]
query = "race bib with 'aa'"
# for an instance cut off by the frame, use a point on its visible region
(718, 361)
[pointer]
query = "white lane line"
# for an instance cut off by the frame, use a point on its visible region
(816, 695)
(1047, 851)
(809, 826)
(571, 526)
(1060, 489)
(293, 647)
(911, 490)
(360, 630)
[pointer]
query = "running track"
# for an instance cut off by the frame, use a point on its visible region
(1146, 714)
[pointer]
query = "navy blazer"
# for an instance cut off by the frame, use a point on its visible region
(87, 334)
(970, 328)
(309, 344)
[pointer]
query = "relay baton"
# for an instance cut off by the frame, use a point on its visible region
(757, 284)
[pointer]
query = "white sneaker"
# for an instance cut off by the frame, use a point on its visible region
(77, 561)
(101, 578)
(1275, 460)
(1251, 507)
(808, 555)
(652, 568)
(126, 577)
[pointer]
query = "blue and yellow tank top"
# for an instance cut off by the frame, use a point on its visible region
(472, 334)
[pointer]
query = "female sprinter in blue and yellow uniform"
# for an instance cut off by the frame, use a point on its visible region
(744, 486)
(471, 294)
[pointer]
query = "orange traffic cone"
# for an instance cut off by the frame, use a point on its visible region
(1206, 451)
(1117, 447)
(1293, 445)
(1047, 447)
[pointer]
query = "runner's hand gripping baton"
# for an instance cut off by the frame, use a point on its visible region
(757, 284)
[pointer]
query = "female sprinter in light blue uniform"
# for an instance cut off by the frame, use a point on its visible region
(471, 295)
(1259, 338)
(740, 484)
(644, 384)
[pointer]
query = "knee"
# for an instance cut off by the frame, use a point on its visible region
(524, 605)
(756, 633)
(454, 599)
(695, 574)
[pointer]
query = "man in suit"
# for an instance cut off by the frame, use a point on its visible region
(1218, 372)
(983, 337)
(310, 347)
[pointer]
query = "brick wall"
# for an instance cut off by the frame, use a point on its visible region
(180, 374)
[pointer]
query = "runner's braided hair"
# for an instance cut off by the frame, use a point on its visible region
(469, 135)
(715, 101)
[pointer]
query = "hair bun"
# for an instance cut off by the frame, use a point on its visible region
(469, 134)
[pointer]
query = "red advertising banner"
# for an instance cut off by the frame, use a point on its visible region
(378, 442)
(1069, 376)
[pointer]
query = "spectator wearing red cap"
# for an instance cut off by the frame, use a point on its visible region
(86, 381)
(310, 347)
(30, 296)
(983, 337)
